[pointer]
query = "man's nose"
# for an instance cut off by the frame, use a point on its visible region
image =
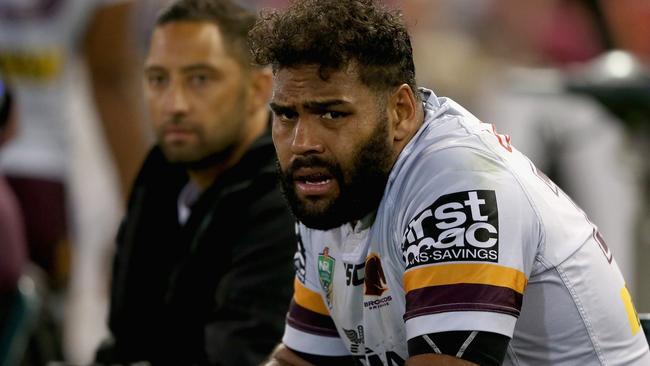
(306, 139)
(176, 101)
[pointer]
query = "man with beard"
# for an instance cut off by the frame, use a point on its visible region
(203, 269)
(421, 229)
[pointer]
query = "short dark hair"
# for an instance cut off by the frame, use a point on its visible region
(233, 19)
(334, 34)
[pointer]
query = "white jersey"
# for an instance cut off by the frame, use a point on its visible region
(38, 45)
(469, 236)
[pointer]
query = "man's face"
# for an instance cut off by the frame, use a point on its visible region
(333, 143)
(195, 91)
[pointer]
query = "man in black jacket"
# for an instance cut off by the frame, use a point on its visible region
(203, 269)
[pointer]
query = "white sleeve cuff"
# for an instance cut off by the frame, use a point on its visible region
(461, 320)
(313, 344)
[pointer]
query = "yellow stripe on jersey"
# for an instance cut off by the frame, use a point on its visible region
(478, 273)
(632, 317)
(43, 66)
(308, 299)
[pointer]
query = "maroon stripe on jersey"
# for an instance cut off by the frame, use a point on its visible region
(462, 297)
(311, 322)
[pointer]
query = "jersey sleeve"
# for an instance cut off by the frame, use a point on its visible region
(468, 245)
(309, 327)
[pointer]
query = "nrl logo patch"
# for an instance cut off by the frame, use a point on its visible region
(326, 273)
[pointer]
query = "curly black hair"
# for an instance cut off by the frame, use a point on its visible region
(233, 19)
(335, 34)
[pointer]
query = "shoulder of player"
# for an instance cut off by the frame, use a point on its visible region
(448, 160)
(450, 139)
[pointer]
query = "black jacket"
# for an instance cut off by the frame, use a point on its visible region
(214, 291)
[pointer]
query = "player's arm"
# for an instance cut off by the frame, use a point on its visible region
(433, 359)
(458, 348)
(112, 61)
(310, 335)
(465, 265)
(284, 356)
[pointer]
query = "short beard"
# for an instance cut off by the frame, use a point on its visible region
(211, 156)
(208, 161)
(360, 194)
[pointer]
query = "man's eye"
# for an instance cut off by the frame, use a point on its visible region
(333, 115)
(199, 79)
(287, 116)
(156, 80)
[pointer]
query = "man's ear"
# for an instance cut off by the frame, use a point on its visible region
(403, 109)
(261, 86)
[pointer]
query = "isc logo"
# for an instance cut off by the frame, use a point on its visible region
(458, 226)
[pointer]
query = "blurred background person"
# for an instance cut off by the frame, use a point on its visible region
(12, 237)
(71, 62)
(204, 263)
(13, 247)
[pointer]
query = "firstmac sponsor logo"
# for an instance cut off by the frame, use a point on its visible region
(462, 226)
